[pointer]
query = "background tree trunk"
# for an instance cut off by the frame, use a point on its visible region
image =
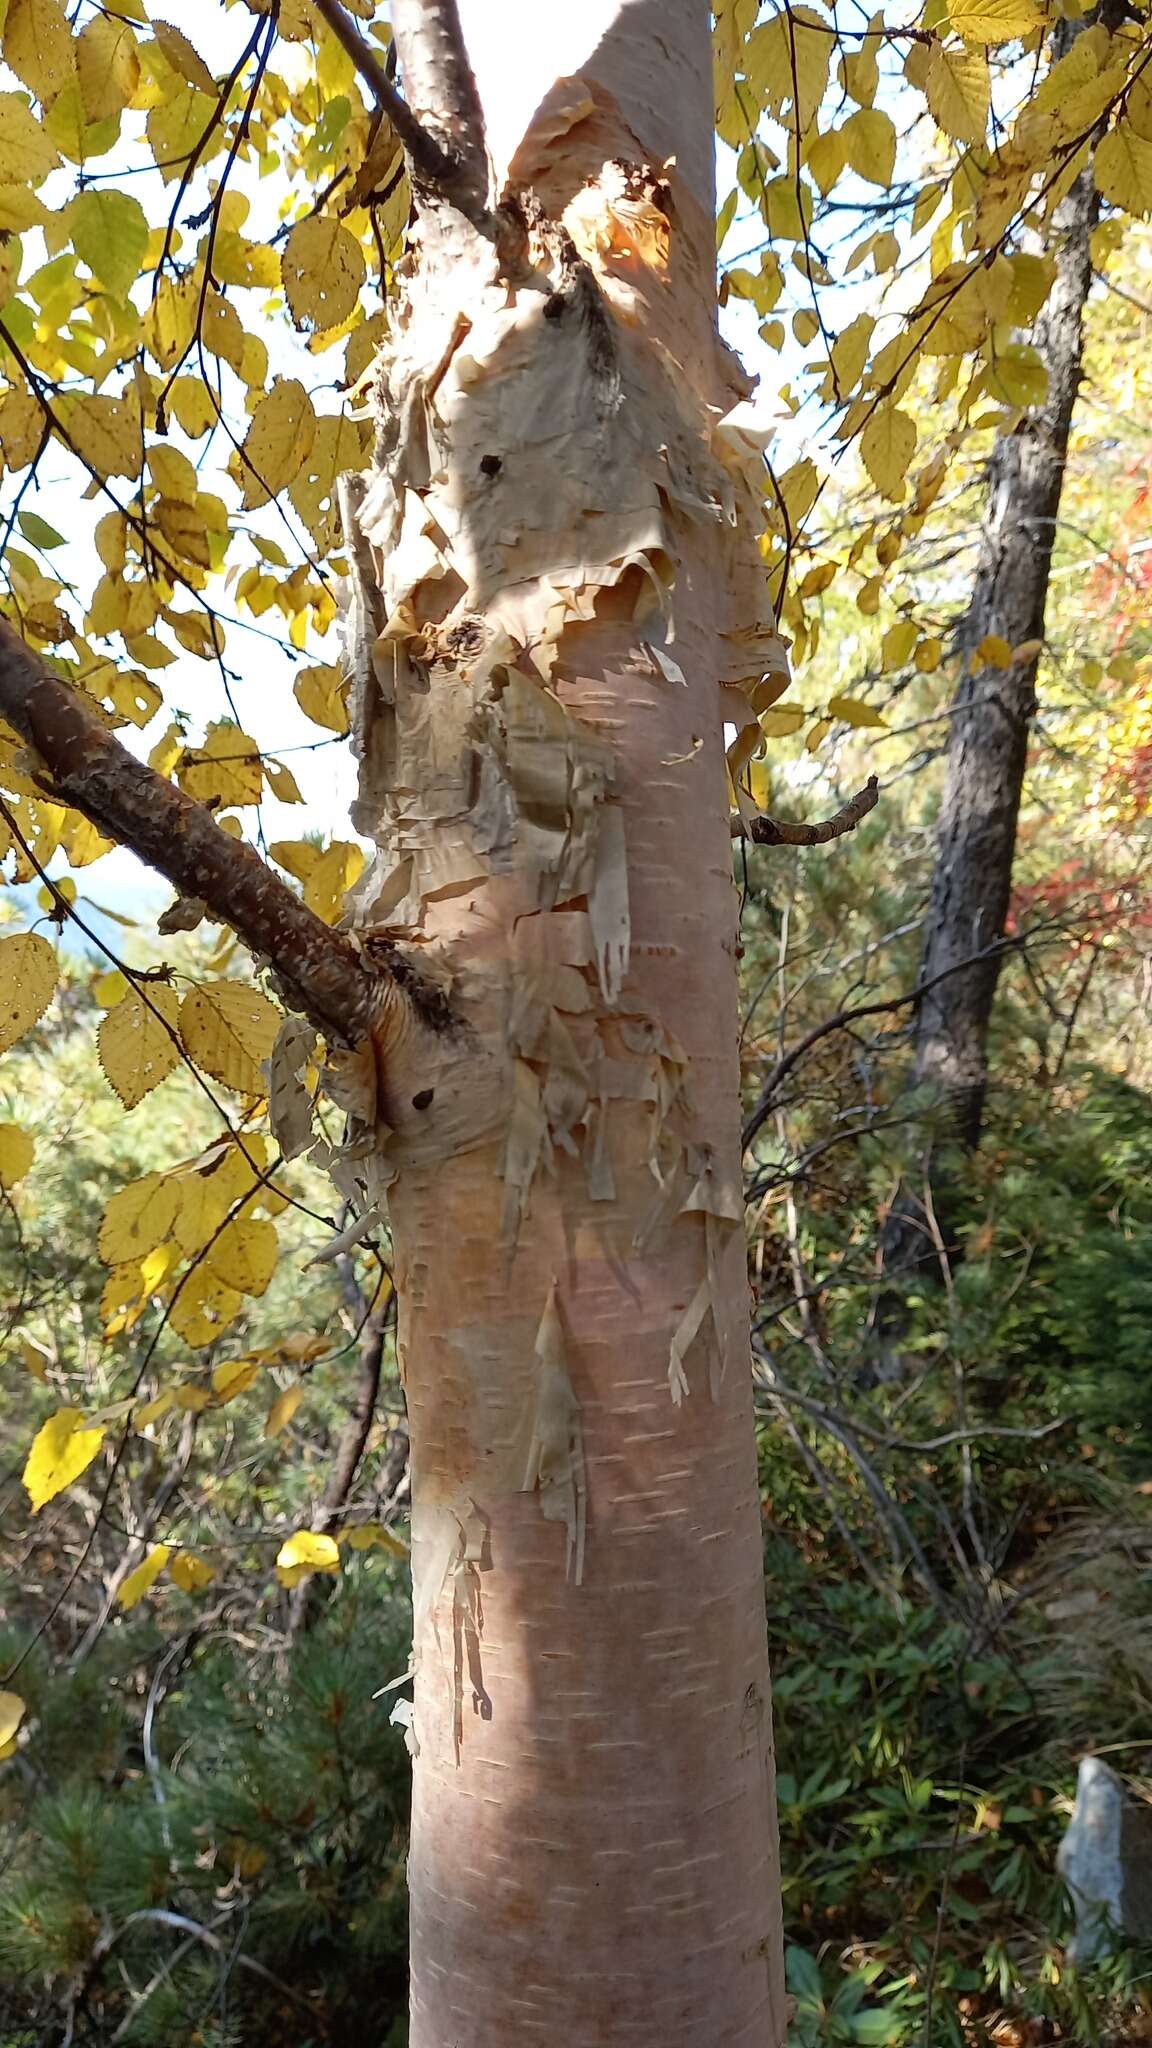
(550, 558)
(987, 748)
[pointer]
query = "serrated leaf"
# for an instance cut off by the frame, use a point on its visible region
(135, 1046)
(886, 446)
(228, 1029)
(182, 57)
(106, 433)
(994, 21)
(245, 1253)
(283, 1409)
(28, 976)
(107, 67)
(137, 1218)
(144, 1577)
(1122, 168)
(336, 449)
(184, 127)
(109, 232)
(225, 770)
(958, 91)
(306, 1551)
(278, 441)
(17, 1151)
(201, 1311)
(26, 154)
(323, 269)
(870, 145)
(38, 46)
(62, 1449)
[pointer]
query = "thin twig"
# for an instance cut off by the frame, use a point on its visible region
(771, 832)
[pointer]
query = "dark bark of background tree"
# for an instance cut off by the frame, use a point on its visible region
(987, 750)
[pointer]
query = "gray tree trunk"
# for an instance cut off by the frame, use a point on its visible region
(987, 746)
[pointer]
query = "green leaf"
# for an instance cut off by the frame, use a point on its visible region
(38, 531)
(110, 234)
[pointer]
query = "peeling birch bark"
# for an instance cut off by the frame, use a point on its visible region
(551, 582)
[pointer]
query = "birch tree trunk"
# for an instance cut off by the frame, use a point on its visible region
(555, 572)
(988, 740)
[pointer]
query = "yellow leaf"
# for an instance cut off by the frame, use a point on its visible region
(146, 1573)
(106, 433)
(870, 145)
(959, 92)
(225, 770)
(12, 1712)
(172, 474)
(994, 21)
(193, 406)
(107, 67)
(190, 1573)
(21, 428)
(776, 725)
(1017, 373)
(336, 448)
(234, 1377)
(283, 1409)
(182, 57)
(137, 1218)
(228, 1028)
(323, 269)
(194, 1400)
(814, 739)
(1122, 168)
(151, 1411)
(28, 974)
(135, 1046)
(306, 1551)
(38, 46)
(929, 655)
(62, 1448)
(244, 1255)
(185, 529)
(331, 876)
(854, 711)
(374, 1535)
(278, 441)
(222, 331)
(887, 445)
(825, 159)
(17, 1151)
(180, 128)
(994, 651)
(320, 692)
(898, 643)
(170, 325)
(26, 155)
(200, 1312)
(33, 1356)
(282, 782)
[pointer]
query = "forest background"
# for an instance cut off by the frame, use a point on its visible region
(202, 1806)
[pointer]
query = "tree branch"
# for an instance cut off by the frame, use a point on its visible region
(430, 162)
(442, 91)
(769, 832)
(86, 766)
(440, 122)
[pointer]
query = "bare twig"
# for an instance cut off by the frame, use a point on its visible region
(770, 832)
